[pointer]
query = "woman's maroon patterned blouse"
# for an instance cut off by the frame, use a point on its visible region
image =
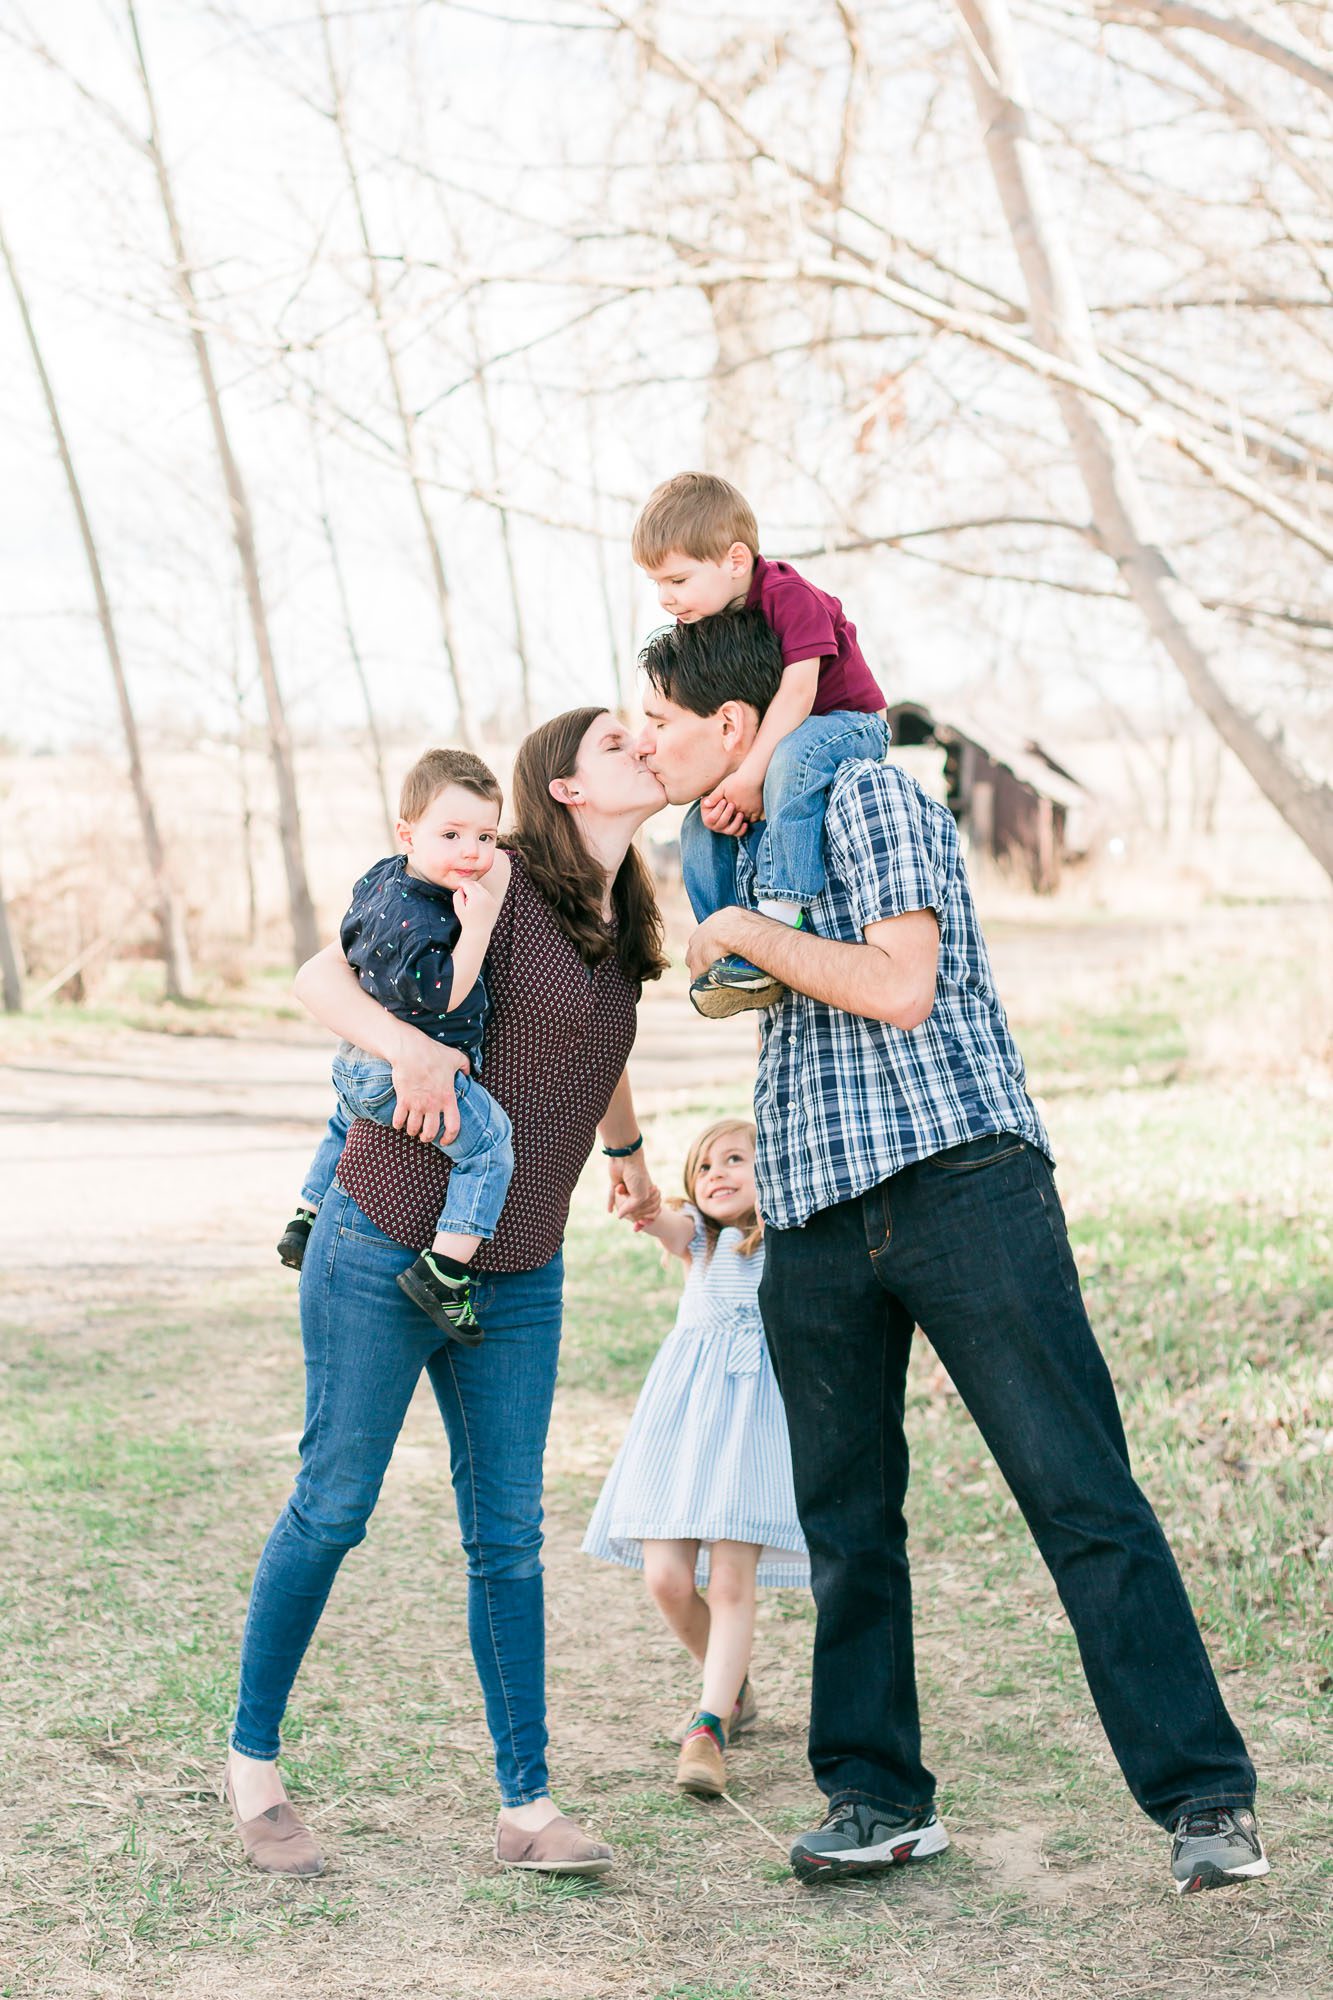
(559, 1036)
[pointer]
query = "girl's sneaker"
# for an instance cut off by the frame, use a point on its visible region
(700, 1767)
(292, 1242)
(444, 1299)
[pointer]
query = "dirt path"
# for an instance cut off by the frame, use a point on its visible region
(170, 1153)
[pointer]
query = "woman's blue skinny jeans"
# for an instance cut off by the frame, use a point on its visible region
(365, 1347)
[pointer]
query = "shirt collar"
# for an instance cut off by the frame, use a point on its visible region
(756, 583)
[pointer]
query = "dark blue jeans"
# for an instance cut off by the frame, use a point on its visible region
(971, 1247)
(365, 1347)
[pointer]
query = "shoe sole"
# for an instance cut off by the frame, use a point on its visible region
(293, 1263)
(1209, 1876)
(719, 1003)
(599, 1867)
(856, 1863)
(422, 1298)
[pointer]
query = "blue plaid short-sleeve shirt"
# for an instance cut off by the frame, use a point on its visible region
(842, 1102)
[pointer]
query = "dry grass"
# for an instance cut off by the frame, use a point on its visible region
(147, 1437)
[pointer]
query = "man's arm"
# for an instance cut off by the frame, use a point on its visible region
(423, 1069)
(891, 977)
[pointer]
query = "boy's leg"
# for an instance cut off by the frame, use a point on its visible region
(707, 866)
(320, 1172)
(482, 1153)
(789, 861)
(977, 1252)
(318, 1180)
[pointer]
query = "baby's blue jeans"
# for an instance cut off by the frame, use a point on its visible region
(789, 854)
(482, 1153)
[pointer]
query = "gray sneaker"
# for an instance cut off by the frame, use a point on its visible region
(1215, 1846)
(858, 1839)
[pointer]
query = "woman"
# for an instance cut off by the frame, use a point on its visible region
(577, 934)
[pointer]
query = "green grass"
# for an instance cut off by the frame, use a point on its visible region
(145, 1444)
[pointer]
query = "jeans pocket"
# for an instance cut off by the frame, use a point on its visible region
(971, 1155)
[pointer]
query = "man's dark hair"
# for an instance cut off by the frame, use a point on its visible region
(734, 656)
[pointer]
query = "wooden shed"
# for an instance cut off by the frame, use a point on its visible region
(1009, 796)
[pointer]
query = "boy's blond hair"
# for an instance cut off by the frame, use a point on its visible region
(438, 768)
(696, 513)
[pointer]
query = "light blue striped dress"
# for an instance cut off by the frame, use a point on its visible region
(707, 1453)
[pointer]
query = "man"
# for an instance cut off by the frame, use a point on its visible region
(905, 1180)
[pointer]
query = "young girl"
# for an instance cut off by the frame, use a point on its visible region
(701, 1490)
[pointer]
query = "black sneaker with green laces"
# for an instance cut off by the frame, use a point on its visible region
(292, 1242)
(859, 1839)
(445, 1299)
(1216, 1846)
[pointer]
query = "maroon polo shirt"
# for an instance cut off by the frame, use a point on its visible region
(811, 625)
(558, 1039)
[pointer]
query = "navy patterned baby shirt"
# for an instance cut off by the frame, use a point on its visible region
(400, 935)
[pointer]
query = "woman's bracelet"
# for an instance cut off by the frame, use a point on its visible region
(623, 1152)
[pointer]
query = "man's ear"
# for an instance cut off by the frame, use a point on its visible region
(739, 724)
(560, 789)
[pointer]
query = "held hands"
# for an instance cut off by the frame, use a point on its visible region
(424, 1078)
(633, 1196)
(734, 805)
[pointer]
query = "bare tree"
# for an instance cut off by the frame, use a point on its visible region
(1121, 513)
(406, 419)
(349, 633)
(173, 943)
(11, 965)
(305, 936)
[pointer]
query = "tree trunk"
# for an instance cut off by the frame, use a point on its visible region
(11, 965)
(170, 920)
(349, 633)
(1061, 325)
(406, 419)
(305, 937)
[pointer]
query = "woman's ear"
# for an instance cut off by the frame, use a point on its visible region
(561, 789)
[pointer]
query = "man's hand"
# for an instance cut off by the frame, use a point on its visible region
(632, 1195)
(709, 943)
(424, 1076)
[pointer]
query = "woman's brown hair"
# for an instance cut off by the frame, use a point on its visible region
(749, 1223)
(563, 871)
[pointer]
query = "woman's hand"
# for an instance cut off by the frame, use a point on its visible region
(425, 1074)
(633, 1196)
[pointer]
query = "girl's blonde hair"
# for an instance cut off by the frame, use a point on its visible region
(750, 1222)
